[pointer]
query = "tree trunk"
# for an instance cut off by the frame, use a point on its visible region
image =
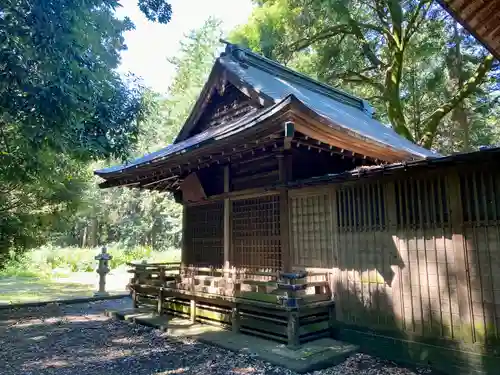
(392, 94)
(93, 232)
(84, 237)
(461, 120)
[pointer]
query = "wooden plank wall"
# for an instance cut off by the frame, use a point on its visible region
(418, 255)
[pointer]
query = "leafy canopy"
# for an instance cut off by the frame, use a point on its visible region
(391, 52)
(136, 217)
(62, 104)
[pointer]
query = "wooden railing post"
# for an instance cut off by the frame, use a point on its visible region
(192, 311)
(161, 297)
(162, 276)
(235, 318)
(133, 282)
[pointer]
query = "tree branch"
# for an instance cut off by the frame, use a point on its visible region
(322, 35)
(431, 123)
(367, 51)
(396, 13)
(416, 19)
(348, 77)
(378, 8)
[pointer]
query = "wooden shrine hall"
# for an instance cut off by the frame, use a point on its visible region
(306, 217)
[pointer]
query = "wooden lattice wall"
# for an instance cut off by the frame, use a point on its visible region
(480, 194)
(311, 223)
(418, 254)
(366, 254)
(256, 237)
(204, 235)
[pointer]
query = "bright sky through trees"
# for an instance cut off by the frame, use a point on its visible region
(151, 43)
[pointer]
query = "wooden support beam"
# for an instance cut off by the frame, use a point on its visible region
(227, 222)
(284, 163)
(184, 248)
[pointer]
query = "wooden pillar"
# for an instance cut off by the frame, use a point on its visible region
(192, 311)
(184, 249)
(461, 264)
(284, 163)
(293, 330)
(227, 223)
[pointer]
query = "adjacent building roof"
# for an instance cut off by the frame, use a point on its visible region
(480, 17)
(274, 86)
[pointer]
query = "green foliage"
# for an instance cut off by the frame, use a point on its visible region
(156, 10)
(62, 105)
(138, 218)
(405, 57)
(59, 89)
(47, 260)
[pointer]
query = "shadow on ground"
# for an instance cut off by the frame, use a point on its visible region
(79, 339)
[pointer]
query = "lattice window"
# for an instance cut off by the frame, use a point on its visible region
(256, 233)
(311, 230)
(205, 234)
(361, 207)
(480, 197)
(421, 202)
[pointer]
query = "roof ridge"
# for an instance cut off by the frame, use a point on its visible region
(241, 55)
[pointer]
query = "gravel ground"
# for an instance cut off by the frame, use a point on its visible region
(80, 339)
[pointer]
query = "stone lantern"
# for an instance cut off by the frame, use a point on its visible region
(102, 270)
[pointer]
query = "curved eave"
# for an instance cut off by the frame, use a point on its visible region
(307, 121)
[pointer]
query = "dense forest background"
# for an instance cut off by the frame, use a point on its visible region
(65, 112)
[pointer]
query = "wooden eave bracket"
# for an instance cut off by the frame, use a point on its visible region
(289, 134)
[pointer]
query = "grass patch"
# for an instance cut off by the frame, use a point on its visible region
(52, 273)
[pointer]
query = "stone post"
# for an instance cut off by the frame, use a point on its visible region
(102, 270)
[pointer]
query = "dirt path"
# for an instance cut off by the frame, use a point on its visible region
(80, 340)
